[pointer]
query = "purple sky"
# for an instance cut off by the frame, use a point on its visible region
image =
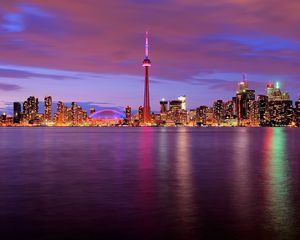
(91, 51)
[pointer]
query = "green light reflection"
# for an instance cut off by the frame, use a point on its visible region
(280, 203)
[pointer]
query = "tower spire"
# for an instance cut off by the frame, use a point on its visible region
(244, 77)
(146, 46)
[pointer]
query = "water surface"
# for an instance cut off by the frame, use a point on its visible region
(150, 183)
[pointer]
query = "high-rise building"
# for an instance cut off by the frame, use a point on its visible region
(201, 115)
(280, 108)
(263, 110)
(163, 106)
(176, 113)
(59, 115)
(146, 65)
(229, 109)
(141, 113)
(30, 109)
(183, 102)
(297, 112)
(244, 97)
(243, 85)
(48, 109)
(17, 112)
(270, 91)
(218, 110)
(280, 112)
(128, 114)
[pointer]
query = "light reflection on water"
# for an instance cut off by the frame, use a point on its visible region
(150, 183)
(278, 187)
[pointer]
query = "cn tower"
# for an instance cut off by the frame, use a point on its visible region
(146, 65)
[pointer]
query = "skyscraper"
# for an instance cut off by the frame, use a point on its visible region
(141, 113)
(59, 115)
(163, 106)
(270, 91)
(128, 113)
(280, 108)
(146, 65)
(263, 110)
(244, 98)
(218, 110)
(183, 101)
(48, 109)
(30, 108)
(297, 112)
(17, 112)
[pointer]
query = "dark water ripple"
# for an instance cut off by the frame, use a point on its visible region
(149, 183)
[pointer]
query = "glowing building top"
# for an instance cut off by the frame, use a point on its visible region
(183, 101)
(243, 85)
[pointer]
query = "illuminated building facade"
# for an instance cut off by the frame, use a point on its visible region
(219, 111)
(141, 114)
(128, 114)
(270, 91)
(59, 116)
(183, 102)
(176, 112)
(48, 109)
(263, 117)
(244, 99)
(201, 115)
(280, 108)
(30, 109)
(163, 110)
(163, 106)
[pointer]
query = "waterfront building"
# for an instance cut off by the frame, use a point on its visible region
(17, 112)
(263, 116)
(183, 102)
(106, 117)
(141, 114)
(201, 115)
(297, 112)
(163, 106)
(270, 91)
(128, 114)
(59, 115)
(219, 111)
(229, 110)
(48, 109)
(254, 113)
(30, 109)
(176, 112)
(3, 117)
(280, 108)
(243, 99)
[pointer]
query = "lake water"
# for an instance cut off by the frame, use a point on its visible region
(150, 183)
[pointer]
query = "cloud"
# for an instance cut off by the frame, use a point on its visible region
(9, 87)
(106, 38)
(187, 37)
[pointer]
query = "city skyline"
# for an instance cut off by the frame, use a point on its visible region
(83, 54)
